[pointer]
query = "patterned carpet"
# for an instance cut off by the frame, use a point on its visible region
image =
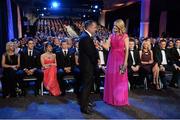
(144, 104)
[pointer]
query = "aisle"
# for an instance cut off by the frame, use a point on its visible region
(143, 105)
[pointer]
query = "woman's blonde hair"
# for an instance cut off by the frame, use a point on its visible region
(120, 25)
(8, 44)
(149, 45)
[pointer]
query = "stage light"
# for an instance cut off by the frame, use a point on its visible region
(45, 8)
(55, 4)
(96, 6)
(94, 10)
(42, 14)
(84, 16)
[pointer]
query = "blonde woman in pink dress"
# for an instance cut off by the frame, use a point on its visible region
(116, 78)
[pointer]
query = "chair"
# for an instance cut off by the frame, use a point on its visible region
(29, 78)
(68, 79)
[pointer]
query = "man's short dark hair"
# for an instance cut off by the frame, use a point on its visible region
(131, 39)
(30, 39)
(88, 23)
(162, 41)
(63, 41)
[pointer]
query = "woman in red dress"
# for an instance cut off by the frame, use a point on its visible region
(48, 61)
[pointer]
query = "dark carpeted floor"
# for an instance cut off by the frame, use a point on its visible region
(149, 104)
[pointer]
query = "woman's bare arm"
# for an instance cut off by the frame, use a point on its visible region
(126, 41)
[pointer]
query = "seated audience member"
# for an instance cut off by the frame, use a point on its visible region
(10, 65)
(30, 66)
(176, 64)
(133, 63)
(137, 44)
(48, 61)
(70, 44)
(146, 57)
(77, 84)
(57, 45)
(102, 54)
(163, 59)
(65, 64)
(170, 46)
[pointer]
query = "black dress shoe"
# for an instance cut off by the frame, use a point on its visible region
(91, 104)
(86, 111)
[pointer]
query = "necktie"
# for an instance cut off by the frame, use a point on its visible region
(65, 52)
(30, 53)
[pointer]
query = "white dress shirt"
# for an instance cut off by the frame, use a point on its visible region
(65, 51)
(132, 55)
(164, 60)
(178, 51)
(101, 56)
(30, 52)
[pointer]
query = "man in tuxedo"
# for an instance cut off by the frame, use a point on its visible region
(88, 63)
(30, 66)
(176, 64)
(164, 61)
(103, 55)
(133, 63)
(66, 65)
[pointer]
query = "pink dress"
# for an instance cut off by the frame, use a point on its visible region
(50, 78)
(116, 84)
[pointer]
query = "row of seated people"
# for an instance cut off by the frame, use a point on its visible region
(30, 62)
(152, 62)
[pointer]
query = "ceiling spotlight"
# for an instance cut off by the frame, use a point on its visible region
(55, 4)
(42, 14)
(45, 8)
(94, 10)
(96, 6)
(84, 16)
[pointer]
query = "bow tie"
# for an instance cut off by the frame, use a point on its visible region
(131, 50)
(163, 49)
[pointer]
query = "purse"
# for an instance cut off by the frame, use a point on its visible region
(122, 69)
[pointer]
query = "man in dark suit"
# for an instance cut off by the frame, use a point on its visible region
(133, 63)
(65, 64)
(30, 66)
(176, 64)
(164, 61)
(88, 62)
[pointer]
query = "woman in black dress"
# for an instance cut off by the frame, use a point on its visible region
(10, 65)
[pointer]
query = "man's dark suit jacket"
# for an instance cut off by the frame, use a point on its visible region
(65, 60)
(158, 56)
(136, 58)
(88, 54)
(175, 56)
(30, 62)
